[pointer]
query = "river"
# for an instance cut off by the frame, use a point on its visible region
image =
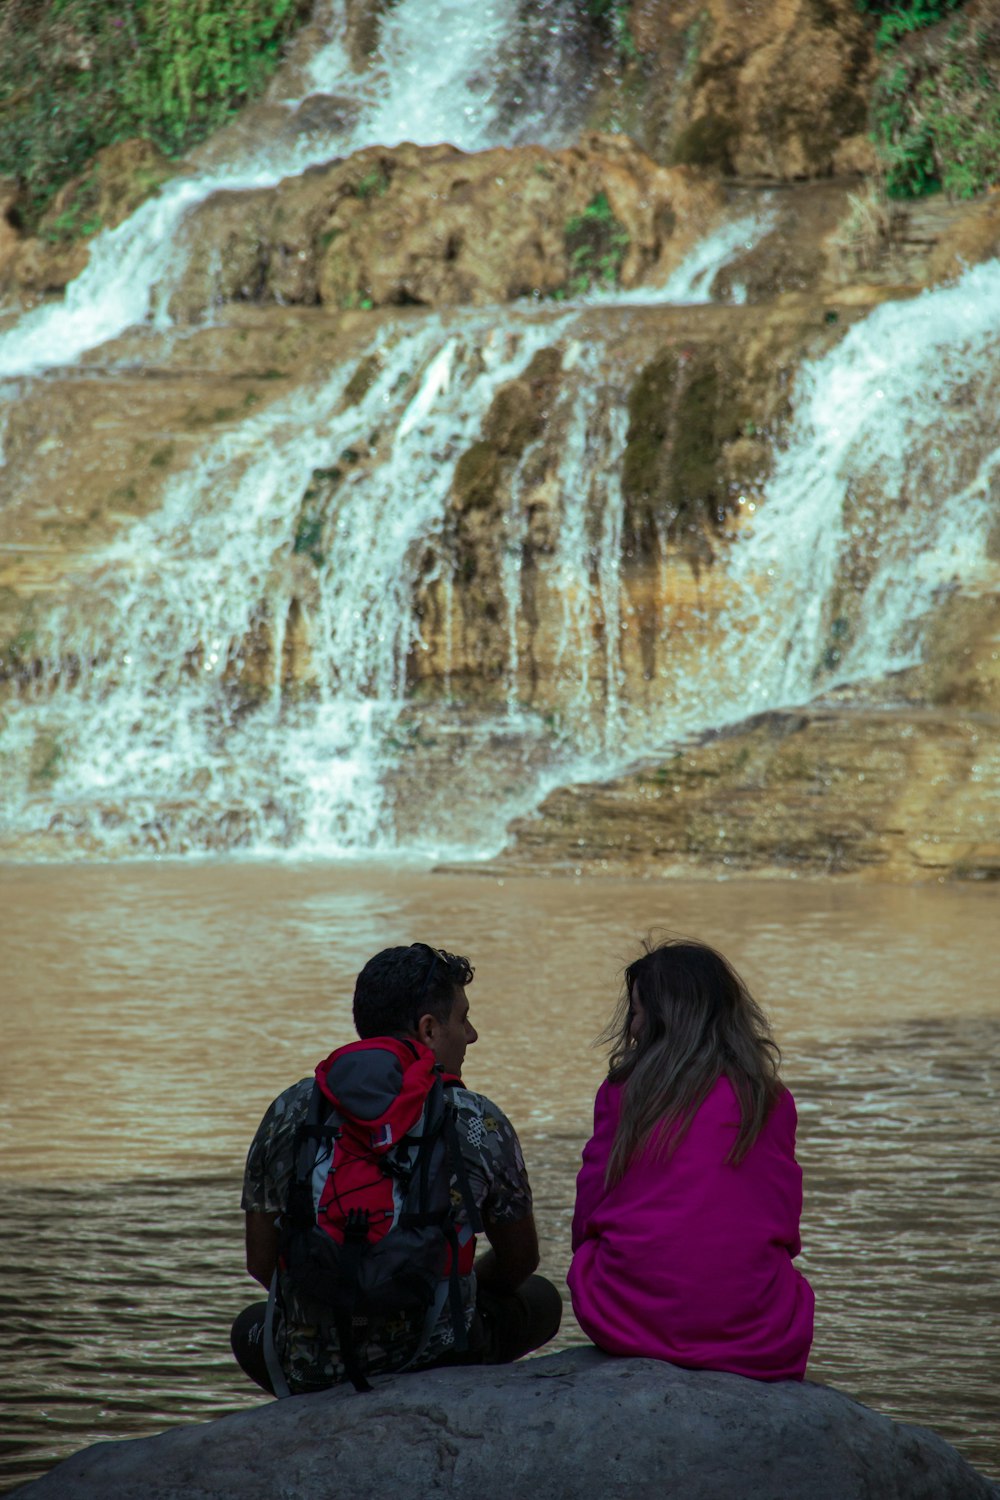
(152, 1010)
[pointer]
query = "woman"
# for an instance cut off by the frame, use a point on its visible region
(689, 1197)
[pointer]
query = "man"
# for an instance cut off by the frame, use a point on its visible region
(415, 995)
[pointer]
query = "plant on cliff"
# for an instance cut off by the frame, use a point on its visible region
(936, 101)
(76, 75)
(596, 243)
(898, 17)
(610, 18)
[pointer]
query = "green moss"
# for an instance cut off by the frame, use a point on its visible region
(683, 412)
(516, 418)
(649, 408)
(78, 219)
(519, 410)
(477, 476)
(373, 185)
(314, 512)
(596, 243)
(46, 755)
(610, 20)
(706, 142)
(16, 653)
(77, 75)
(309, 536)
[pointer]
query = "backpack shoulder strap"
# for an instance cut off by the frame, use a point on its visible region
(456, 1162)
(319, 1126)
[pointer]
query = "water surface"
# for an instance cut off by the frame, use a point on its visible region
(151, 1012)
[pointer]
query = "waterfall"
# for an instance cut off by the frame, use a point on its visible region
(172, 711)
(137, 703)
(443, 72)
(690, 284)
(889, 476)
(145, 745)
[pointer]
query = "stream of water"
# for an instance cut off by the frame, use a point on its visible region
(882, 499)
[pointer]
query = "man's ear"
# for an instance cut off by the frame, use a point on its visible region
(427, 1030)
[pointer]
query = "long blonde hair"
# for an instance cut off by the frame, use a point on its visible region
(700, 1023)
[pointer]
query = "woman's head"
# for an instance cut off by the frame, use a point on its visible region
(684, 1019)
(687, 989)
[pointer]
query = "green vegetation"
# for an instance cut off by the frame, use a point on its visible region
(596, 243)
(899, 17)
(937, 117)
(936, 101)
(610, 18)
(372, 185)
(316, 508)
(309, 537)
(79, 219)
(77, 75)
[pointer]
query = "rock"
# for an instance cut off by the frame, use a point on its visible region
(898, 794)
(557, 1428)
(9, 237)
(754, 88)
(111, 187)
(703, 391)
(89, 452)
(435, 226)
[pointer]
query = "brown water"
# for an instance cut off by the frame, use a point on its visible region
(150, 1013)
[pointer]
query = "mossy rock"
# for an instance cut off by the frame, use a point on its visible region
(110, 188)
(520, 408)
(596, 245)
(707, 142)
(684, 409)
(517, 417)
(477, 477)
(18, 640)
(362, 380)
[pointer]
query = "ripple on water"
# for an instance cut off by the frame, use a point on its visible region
(116, 1305)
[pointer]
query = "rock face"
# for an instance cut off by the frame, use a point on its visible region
(435, 226)
(892, 793)
(559, 1427)
(116, 182)
(753, 88)
(677, 411)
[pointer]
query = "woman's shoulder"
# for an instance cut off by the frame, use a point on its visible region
(722, 1102)
(608, 1100)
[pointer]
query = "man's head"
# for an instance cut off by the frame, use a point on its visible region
(417, 991)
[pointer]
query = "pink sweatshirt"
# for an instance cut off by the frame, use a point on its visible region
(689, 1259)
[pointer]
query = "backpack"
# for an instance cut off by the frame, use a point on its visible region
(369, 1229)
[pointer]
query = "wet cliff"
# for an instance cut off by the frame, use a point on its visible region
(583, 417)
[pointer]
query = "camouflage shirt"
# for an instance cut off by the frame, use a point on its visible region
(305, 1338)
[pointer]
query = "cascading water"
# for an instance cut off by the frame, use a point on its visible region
(443, 72)
(151, 748)
(164, 718)
(138, 696)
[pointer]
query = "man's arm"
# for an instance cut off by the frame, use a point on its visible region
(512, 1256)
(262, 1246)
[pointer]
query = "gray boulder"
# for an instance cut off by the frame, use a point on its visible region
(562, 1427)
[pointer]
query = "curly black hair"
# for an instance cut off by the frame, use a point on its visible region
(399, 985)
